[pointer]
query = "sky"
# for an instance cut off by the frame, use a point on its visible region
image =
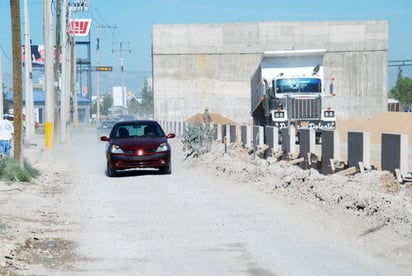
(127, 25)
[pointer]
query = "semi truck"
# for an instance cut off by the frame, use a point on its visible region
(287, 89)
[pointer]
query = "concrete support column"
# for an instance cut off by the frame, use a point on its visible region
(394, 152)
(222, 133)
(232, 135)
(246, 136)
(215, 131)
(358, 149)
(179, 129)
(288, 141)
(307, 141)
(330, 149)
(258, 136)
(226, 132)
(184, 128)
(272, 138)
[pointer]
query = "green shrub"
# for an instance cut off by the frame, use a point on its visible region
(11, 170)
(3, 227)
(197, 139)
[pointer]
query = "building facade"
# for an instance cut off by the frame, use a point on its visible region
(39, 105)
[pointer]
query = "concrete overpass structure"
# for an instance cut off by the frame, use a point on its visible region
(210, 65)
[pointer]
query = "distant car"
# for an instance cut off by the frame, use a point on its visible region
(126, 117)
(138, 144)
(105, 127)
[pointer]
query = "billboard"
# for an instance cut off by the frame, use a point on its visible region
(79, 26)
(37, 55)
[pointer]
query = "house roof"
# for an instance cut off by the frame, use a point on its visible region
(39, 98)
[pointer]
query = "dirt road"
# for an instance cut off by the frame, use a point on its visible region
(76, 221)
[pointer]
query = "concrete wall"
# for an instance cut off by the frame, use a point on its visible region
(210, 65)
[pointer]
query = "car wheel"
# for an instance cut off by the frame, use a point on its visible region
(110, 171)
(166, 170)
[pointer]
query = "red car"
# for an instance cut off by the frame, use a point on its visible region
(138, 144)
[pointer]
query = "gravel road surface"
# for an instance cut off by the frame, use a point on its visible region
(191, 222)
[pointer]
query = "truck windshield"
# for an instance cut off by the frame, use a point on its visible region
(298, 85)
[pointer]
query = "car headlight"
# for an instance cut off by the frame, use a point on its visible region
(116, 149)
(162, 147)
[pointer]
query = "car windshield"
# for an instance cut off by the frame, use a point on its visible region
(298, 85)
(138, 130)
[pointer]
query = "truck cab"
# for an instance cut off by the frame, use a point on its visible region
(288, 90)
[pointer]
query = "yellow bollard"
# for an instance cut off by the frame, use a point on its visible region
(48, 135)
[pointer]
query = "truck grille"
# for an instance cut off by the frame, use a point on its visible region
(304, 108)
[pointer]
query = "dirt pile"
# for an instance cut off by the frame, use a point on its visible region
(216, 118)
(385, 122)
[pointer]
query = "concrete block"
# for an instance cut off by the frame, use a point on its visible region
(272, 138)
(330, 149)
(219, 133)
(358, 149)
(288, 141)
(394, 152)
(258, 136)
(246, 135)
(224, 133)
(215, 131)
(233, 132)
(307, 142)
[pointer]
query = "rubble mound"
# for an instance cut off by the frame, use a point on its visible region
(375, 196)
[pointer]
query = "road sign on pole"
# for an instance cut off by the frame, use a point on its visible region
(104, 68)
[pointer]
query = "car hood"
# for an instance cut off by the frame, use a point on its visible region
(133, 143)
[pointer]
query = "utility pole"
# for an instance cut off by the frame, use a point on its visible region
(65, 76)
(28, 76)
(77, 5)
(73, 81)
(57, 69)
(1, 87)
(121, 51)
(97, 72)
(48, 73)
(17, 81)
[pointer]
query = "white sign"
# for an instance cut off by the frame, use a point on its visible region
(118, 96)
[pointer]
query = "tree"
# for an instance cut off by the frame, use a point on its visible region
(144, 107)
(402, 91)
(133, 106)
(147, 100)
(105, 105)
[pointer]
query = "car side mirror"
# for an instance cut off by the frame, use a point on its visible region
(104, 138)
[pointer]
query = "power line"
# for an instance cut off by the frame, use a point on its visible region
(4, 53)
(399, 63)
